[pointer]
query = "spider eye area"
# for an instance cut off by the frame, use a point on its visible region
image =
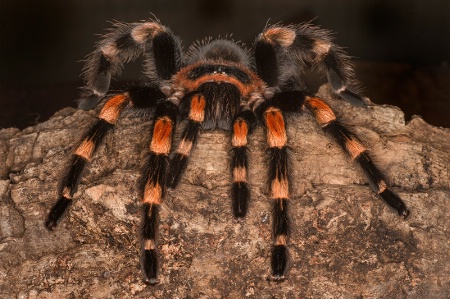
(206, 69)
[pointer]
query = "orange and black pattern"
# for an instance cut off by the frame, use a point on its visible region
(243, 125)
(217, 85)
(279, 185)
(153, 184)
(356, 151)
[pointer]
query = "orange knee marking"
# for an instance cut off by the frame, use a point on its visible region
(240, 131)
(141, 32)
(152, 194)
(276, 132)
(184, 147)
(112, 109)
(197, 112)
(162, 136)
(85, 149)
(149, 244)
(354, 148)
(281, 240)
(239, 174)
(66, 192)
(323, 113)
(281, 35)
(381, 186)
(279, 189)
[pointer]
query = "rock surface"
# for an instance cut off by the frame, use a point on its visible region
(345, 242)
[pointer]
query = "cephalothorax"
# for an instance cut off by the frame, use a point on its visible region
(217, 84)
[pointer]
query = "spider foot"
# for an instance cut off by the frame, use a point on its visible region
(57, 212)
(394, 201)
(150, 265)
(404, 213)
(276, 278)
(278, 262)
(51, 224)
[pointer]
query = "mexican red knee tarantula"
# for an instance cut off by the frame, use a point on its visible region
(217, 84)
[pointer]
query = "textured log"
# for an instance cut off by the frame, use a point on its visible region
(345, 243)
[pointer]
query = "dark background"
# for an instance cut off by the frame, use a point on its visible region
(401, 47)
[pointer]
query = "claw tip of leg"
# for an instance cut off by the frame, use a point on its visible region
(50, 224)
(404, 213)
(151, 281)
(277, 277)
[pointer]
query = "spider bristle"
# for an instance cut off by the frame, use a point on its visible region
(279, 261)
(340, 133)
(164, 47)
(266, 62)
(150, 266)
(287, 101)
(154, 172)
(150, 220)
(280, 217)
(394, 201)
(149, 233)
(167, 108)
(73, 176)
(279, 163)
(98, 131)
(240, 195)
(57, 212)
(239, 157)
(179, 161)
(145, 96)
(178, 165)
(191, 132)
(374, 176)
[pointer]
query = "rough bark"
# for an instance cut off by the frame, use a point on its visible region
(345, 242)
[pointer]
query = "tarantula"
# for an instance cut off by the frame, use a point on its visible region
(217, 84)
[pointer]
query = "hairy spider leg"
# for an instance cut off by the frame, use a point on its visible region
(279, 185)
(123, 43)
(189, 136)
(138, 97)
(243, 125)
(153, 185)
(304, 45)
(83, 154)
(349, 142)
